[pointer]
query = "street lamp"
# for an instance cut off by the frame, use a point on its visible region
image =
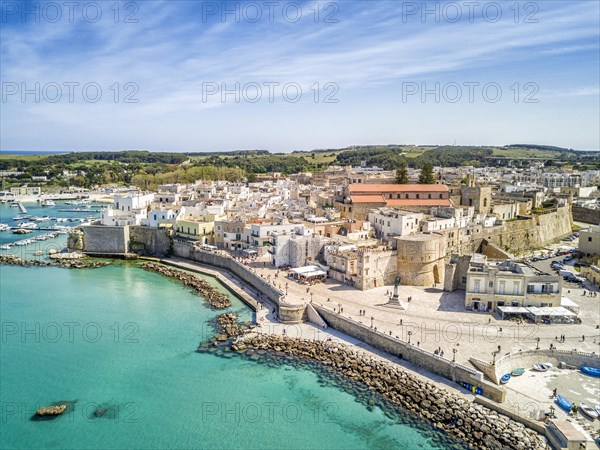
(538, 344)
(339, 308)
(409, 335)
(494, 355)
(372, 319)
(454, 355)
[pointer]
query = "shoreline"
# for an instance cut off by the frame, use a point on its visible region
(361, 373)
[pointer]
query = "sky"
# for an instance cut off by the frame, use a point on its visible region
(186, 76)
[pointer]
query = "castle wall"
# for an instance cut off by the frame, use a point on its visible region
(103, 239)
(531, 233)
(150, 241)
(586, 215)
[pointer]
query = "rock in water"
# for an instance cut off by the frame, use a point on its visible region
(54, 410)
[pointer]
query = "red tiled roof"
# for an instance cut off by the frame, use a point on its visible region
(376, 198)
(378, 188)
(419, 202)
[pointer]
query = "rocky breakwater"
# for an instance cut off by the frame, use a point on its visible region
(13, 260)
(459, 418)
(228, 335)
(214, 298)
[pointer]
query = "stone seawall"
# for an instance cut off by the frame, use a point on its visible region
(413, 354)
(363, 375)
(288, 313)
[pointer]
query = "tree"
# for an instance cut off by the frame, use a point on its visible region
(426, 175)
(251, 176)
(402, 174)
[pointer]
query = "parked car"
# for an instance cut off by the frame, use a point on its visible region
(535, 259)
(567, 258)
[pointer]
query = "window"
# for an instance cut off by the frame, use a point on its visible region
(464, 280)
(491, 284)
(429, 196)
(477, 286)
(590, 239)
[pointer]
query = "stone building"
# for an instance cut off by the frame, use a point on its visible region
(480, 197)
(375, 267)
(491, 284)
(359, 199)
(421, 259)
(589, 241)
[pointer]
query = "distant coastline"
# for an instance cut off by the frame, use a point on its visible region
(33, 152)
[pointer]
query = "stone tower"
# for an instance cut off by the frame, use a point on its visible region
(421, 259)
(480, 197)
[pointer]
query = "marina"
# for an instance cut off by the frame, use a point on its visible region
(41, 225)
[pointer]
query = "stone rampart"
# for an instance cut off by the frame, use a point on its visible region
(411, 353)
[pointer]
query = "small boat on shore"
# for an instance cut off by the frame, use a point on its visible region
(518, 372)
(48, 202)
(563, 403)
(505, 378)
(542, 367)
(588, 410)
(591, 371)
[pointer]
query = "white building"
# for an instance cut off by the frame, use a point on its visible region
(160, 217)
(128, 209)
(389, 222)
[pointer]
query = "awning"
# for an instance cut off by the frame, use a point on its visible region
(552, 311)
(513, 309)
(304, 270)
(568, 303)
(315, 273)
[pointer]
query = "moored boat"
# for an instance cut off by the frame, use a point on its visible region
(563, 403)
(518, 372)
(597, 408)
(542, 367)
(588, 410)
(505, 378)
(591, 371)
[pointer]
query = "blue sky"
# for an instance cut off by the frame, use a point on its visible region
(533, 76)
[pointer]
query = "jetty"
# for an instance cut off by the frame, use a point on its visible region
(21, 207)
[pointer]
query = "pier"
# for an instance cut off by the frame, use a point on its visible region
(21, 207)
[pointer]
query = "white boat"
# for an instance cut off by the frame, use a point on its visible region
(28, 225)
(588, 410)
(4, 227)
(542, 367)
(5, 247)
(48, 202)
(597, 408)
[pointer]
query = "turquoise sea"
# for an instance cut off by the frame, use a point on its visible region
(120, 342)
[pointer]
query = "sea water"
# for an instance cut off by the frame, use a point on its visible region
(120, 343)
